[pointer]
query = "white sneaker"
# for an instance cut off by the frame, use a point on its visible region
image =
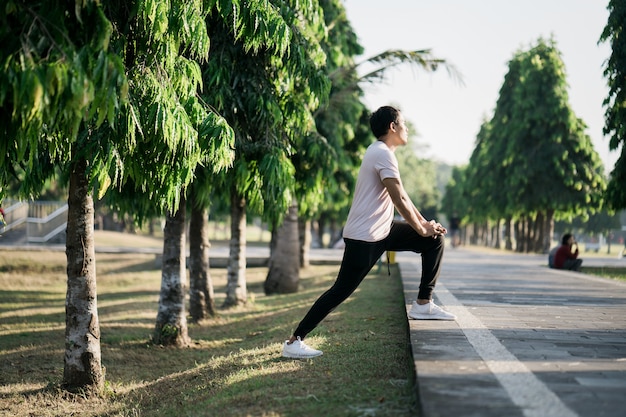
(299, 350)
(430, 311)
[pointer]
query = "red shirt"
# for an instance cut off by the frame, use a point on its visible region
(564, 252)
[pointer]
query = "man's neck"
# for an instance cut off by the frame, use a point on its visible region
(389, 141)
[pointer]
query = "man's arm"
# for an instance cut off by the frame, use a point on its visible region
(407, 209)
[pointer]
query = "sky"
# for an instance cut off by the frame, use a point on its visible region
(479, 38)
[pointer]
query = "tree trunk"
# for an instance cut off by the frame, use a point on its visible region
(530, 234)
(171, 323)
(334, 231)
(519, 235)
(508, 245)
(548, 231)
(284, 268)
(201, 296)
(484, 234)
(538, 233)
(526, 227)
(321, 226)
(474, 237)
(82, 364)
(498, 232)
(236, 291)
(304, 233)
(535, 243)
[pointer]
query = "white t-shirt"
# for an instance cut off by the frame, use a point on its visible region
(372, 210)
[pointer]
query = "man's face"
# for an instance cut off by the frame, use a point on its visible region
(401, 129)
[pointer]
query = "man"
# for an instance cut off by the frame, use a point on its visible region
(370, 230)
(565, 258)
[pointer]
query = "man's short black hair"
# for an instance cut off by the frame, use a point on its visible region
(565, 238)
(382, 118)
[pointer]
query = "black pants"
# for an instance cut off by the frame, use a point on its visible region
(358, 259)
(573, 264)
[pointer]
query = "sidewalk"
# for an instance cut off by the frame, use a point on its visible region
(528, 341)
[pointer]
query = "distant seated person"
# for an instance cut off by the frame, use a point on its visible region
(565, 257)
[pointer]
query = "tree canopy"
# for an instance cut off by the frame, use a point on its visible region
(533, 159)
(615, 113)
(105, 94)
(267, 91)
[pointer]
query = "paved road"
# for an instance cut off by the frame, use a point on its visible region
(529, 341)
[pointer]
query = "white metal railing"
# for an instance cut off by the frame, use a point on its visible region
(15, 214)
(41, 226)
(44, 220)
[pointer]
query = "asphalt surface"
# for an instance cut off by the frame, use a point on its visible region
(528, 340)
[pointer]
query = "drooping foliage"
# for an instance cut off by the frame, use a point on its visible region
(172, 131)
(105, 93)
(266, 81)
(58, 72)
(615, 102)
(341, 121)
(267, 87)
(120, 75)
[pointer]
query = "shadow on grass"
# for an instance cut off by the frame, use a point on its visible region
(124, 263)
(233, 366)
(11, 298)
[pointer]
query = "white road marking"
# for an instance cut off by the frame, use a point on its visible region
(525, 389)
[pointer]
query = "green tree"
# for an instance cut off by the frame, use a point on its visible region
(102, 92)
(615, 113)
(533, 161)
(453, 200)
(484, 174)
(342, 122)
(266, 91)
(496, 159)
(553, 166)
(235, 35)
(178, 131)
(58, 75)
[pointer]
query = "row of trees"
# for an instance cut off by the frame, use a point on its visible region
(171, 106)
(533, 162)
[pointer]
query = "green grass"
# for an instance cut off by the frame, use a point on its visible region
(618, 273)
(233, 367)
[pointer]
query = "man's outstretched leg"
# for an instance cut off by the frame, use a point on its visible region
(358, 260)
